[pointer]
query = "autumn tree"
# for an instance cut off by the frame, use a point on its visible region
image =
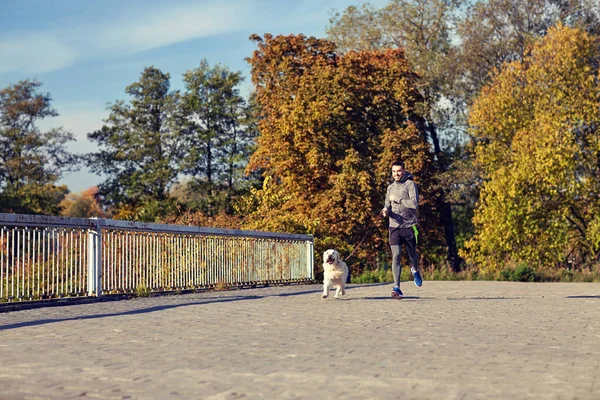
(492, 33)
(82, 205)
(218, 136)
(140, 148)
(495, 32)
(31, 160)
(456, 50)
(330, 128)
(422, 28)
(536, 127)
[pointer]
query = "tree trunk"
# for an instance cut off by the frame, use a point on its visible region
(445, 207)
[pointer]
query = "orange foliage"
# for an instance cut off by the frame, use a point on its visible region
(198, 218)
(329, 130)
(82, 205)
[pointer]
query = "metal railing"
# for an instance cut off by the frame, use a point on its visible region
(44, 257)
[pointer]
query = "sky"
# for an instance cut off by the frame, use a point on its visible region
(86, 52)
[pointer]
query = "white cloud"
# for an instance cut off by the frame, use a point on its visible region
(162, 27)
(80, 119)
(80, 124)
(33, 53)
(126, 32)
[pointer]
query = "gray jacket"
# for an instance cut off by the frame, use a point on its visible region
(401, 201)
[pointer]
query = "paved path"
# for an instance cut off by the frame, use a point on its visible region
(447, 340)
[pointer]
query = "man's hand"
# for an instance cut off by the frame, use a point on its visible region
(384, 212)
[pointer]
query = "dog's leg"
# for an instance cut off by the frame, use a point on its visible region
(325, 290)
(343, 292)
(338, 291)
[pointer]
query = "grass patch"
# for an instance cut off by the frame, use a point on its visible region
(142, 290)
(381, 275)
(373, 276)
(520, 273)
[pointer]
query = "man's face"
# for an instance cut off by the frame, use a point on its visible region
(397, 172)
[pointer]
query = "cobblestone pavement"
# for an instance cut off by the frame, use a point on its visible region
(446, 340)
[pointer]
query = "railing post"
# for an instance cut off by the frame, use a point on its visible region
(310, 265)
(95, 259)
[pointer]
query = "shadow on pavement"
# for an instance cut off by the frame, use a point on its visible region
(483, 298)
(389, 298)
(129, 312)
(319, 290)
(357, 285)
(583, 297)
(179, 302)
(295, 293)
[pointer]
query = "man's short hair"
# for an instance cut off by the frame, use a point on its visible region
(398, 163)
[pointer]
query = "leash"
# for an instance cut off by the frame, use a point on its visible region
(414, 227)
(359, 243)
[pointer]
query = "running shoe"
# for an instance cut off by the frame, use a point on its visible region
(397, 293)
(417, 276)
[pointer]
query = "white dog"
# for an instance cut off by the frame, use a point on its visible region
(335, 272)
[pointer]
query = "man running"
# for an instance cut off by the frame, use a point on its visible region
(401, 202)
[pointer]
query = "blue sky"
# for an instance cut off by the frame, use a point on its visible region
(86, 52)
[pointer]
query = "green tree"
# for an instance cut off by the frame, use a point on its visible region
(330, 128)
(536, 127)
(140, 148)
(219, 135)
(31, 161)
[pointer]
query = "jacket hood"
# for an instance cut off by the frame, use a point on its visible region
(406, 177)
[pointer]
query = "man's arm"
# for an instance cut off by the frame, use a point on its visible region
(387, 206)
(413, 197)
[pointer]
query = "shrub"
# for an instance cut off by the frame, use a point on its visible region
(524, 273)
(142, 290)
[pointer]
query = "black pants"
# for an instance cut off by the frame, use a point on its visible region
(398, 237)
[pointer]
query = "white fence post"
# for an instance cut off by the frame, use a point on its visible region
(310, 265)
(95, 260)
